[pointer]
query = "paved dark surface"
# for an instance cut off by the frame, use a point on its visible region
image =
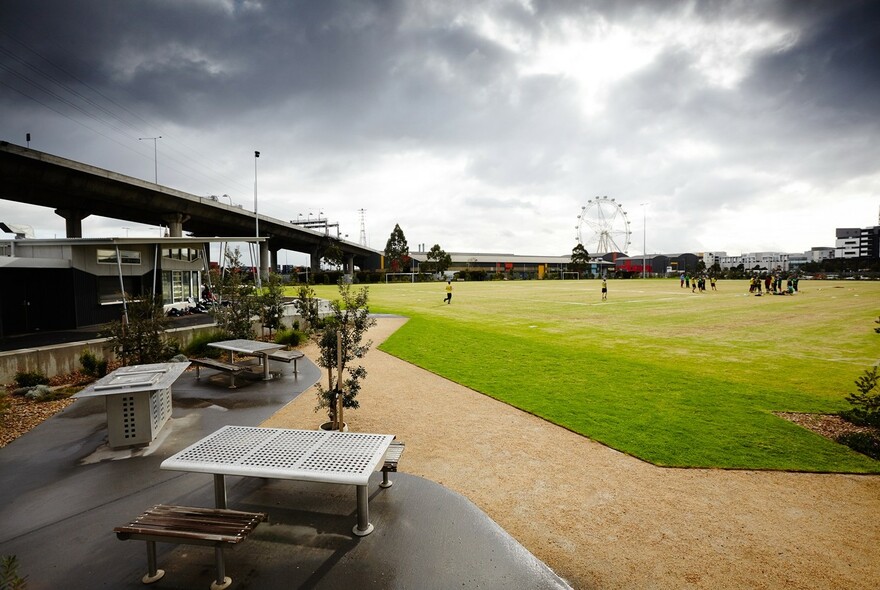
(62, 490)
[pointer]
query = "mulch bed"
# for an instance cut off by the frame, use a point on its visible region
(25, 414)
(828, 425)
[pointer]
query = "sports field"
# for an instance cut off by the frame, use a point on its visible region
(673, 377)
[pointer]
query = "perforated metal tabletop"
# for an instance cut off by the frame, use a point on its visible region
(306, 455)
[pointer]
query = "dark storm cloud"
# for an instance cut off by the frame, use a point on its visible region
(726, 104)
(833, 70)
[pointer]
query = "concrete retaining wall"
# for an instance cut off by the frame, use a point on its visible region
(60, 359)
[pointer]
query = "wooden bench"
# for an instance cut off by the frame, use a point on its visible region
(233, 370)
(392, 456)
(190, 526)
(285, 356)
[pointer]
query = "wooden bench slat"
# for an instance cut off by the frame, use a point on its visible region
(190, 526)
(392, 458)
(159, 533)
(216, 525)
(199, 525)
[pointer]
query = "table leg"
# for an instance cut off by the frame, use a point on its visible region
(219, 490)
(266, 375)
(363, 526)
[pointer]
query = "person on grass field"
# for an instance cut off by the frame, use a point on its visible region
(448, 299)
(604, 288)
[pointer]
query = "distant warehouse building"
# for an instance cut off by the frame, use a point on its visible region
(518, 266)
(657, 265)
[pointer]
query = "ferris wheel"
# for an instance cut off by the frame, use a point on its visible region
(603, 226)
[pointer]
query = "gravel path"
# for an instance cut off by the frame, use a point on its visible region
(602, 519)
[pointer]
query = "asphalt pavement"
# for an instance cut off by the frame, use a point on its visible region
(62, 490)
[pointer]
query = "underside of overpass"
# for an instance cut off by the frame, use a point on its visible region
(75, 190)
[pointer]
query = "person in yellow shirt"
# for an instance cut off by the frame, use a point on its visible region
(448, 299)
(604, 289)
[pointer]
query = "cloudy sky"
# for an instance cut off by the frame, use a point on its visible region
(477, 125)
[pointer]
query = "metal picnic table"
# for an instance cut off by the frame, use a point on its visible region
(304, 455)
(254, 347)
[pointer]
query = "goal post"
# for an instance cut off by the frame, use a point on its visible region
(411, 275)
(571, 274)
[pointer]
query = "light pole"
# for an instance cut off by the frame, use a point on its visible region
(155, 157)
(257, 221)
(644, 238)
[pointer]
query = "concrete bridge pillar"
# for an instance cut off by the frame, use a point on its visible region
(315, 260)
(349, 264)
(72, 221)
(264, 260)
(175, 223)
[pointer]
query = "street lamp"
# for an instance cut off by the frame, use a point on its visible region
(155, 157)
(644, 238)
(257, 219)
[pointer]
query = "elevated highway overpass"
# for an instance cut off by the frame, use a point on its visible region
(75, 190)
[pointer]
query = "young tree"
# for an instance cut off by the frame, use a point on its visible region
(866, 403)
(580, 258)
(340, 343)
(238, 301)
(307, 305)
(272, 302)
(397, 250)
(333, 254)
(437, 259)
(141, 339)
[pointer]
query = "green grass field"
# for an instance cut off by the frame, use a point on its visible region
(675, 378)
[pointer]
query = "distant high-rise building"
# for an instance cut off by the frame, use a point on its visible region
(854, 242)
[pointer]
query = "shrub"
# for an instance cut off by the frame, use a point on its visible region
(30, 379)
(140, 340)
(865, 404)
(238, 297)
(862, 442)
(92, 365)
(198, 346)
(289, 337)
(42, 393)
(9, 577)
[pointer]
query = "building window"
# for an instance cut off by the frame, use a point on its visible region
(109, 289)
(188, 254)
(179, 285)
(130, 257)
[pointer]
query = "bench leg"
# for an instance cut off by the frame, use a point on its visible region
(295, 372)
(154, 574)
(222, 581)
(363, 526)
(386, 483)
(197, 372)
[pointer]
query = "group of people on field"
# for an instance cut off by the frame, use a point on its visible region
(697, 283)
(772, 283)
